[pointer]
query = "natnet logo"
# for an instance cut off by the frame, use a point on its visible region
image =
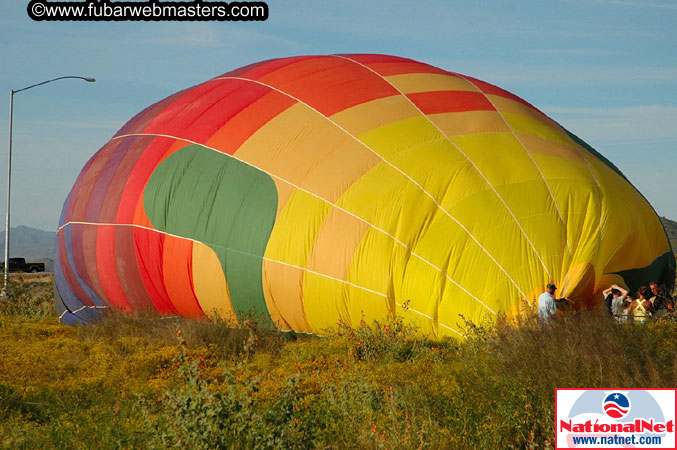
(615, 418)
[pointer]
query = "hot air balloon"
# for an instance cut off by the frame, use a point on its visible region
(315, 190)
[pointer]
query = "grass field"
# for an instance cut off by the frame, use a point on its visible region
(146, 382)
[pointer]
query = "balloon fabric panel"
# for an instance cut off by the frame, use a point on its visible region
(211, 198)
(210, 285)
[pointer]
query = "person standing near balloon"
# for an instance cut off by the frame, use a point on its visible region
(615, 299)
(661, 302)
(641, 307)
(547, 303)
(610, 294)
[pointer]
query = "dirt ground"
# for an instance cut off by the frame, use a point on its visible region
(41, 277)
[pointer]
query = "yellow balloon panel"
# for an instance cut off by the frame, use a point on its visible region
(209, 283)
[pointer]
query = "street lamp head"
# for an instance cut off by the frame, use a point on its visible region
(87, 79)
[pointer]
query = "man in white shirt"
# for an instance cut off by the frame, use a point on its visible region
(547, 303)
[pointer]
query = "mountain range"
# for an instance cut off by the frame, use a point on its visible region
(671, 229)
(30, 243)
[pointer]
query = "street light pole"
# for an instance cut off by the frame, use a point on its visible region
(9, 164)
(9, 182)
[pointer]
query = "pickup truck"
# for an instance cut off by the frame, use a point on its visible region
(20, 265)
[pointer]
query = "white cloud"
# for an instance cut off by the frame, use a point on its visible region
(574, 52)
(188, 35)
(641, 3)
(630, 124)
(91, 124)
(562, 74)
(208, 36)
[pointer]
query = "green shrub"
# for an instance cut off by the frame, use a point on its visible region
(200, 412)
(391, 341)
(28, 299)
(125, 383)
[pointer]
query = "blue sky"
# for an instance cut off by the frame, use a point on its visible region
(605, 69)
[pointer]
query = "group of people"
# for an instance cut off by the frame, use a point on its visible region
(651, 302)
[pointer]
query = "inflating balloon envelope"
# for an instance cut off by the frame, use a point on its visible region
(317, 189)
